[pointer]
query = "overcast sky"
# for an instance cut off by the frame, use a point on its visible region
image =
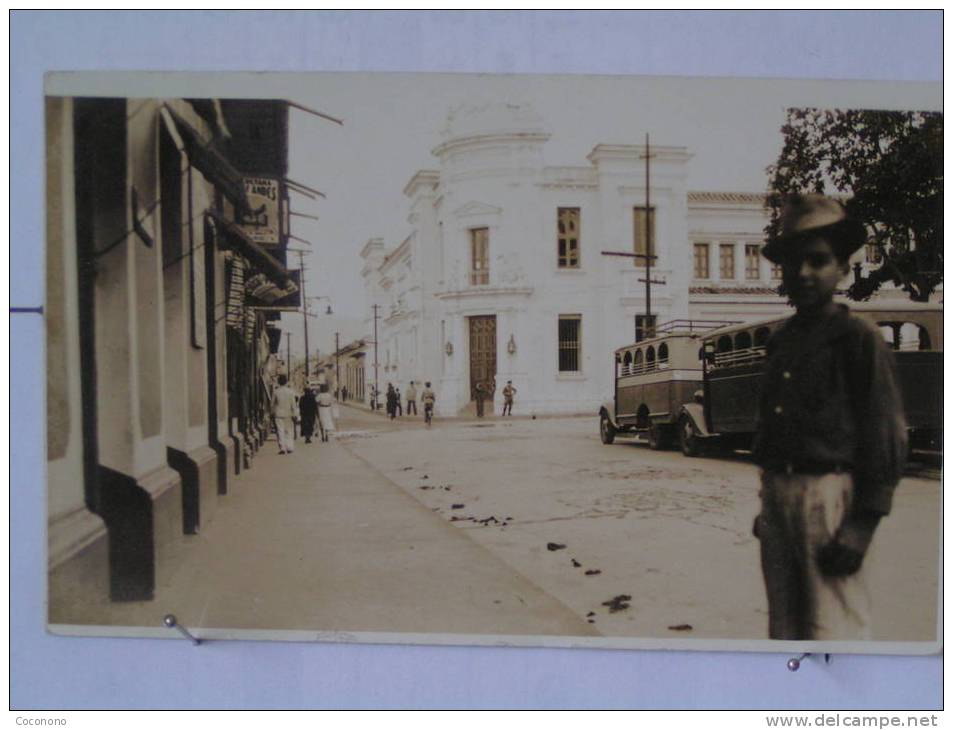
(392, 122)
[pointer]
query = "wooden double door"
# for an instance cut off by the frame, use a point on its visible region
(482, 353)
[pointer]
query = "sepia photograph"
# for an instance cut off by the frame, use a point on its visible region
(585, 361)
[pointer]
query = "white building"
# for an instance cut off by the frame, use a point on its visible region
(503, 275)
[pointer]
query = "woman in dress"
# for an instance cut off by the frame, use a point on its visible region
(308, 406)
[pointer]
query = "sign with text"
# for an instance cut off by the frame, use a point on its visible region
(263, 221)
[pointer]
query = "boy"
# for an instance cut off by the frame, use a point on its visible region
(832, 438)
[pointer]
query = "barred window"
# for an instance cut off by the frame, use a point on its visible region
(568, 238)
(570, 343)
(479, 256)
(639, 238)
(752, 261)
(726, 257)
(701, 261)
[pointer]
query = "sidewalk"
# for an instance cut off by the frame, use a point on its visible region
(320, 540)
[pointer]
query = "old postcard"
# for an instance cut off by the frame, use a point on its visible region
(524, 360)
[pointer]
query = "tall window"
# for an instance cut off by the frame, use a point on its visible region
(776, 272)
(644, 327)
(752, 261)
(726, 258)
(570, 343)
(640, 245)
(568, 238)
(701, 261)
(479, 256)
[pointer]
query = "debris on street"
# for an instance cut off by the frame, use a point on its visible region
(553, 546)
(576, 563)
(619, 603)
(680, 627)
(457, 506)
(593, 572)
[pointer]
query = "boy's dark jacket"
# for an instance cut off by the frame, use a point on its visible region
(831, 400)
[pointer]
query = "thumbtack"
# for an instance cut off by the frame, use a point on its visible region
(171, 623)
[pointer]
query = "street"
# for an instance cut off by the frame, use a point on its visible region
(673, 533)
(503, 527)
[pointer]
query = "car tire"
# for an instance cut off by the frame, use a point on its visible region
(606, 429)
(687, 438)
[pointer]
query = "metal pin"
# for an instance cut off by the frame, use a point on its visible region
(794, 663)
(171, 623)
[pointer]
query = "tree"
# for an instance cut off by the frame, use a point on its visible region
(889, 167)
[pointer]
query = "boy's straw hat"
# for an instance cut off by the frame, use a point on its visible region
(816, 215)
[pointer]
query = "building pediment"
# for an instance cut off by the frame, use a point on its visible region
(475, 209)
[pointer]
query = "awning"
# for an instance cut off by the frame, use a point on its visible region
(235, 238)
(210, 162)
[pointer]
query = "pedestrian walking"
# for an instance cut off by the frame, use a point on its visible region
(508, 392)
(325, 412)
(832, 438)
(308, 407)
(411, 399)
(284, 410)
(391, 401)
(480, 393)
(428, 399)
(397, 404)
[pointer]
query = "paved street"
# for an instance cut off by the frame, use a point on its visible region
(672, 532)
(394, 527)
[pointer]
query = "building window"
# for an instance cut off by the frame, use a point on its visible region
(752, 261)
(568, 238)
(479, 256)
(726, 258)
(776, 272)
(644, 327)
(570, 344)
(639, 238)
(701, 261)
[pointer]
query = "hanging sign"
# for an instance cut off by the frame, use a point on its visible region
(263, 223)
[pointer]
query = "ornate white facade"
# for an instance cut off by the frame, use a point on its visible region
(435, 290)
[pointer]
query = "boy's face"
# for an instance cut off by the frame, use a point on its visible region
(811, 272)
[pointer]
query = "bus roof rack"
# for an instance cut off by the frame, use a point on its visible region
(690, 326)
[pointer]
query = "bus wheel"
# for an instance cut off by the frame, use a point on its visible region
(658, 437)
(606, 429)
(687, 438)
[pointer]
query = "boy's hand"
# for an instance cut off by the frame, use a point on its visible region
(844, 554)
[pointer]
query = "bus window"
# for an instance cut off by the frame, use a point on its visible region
(743, 341)
(637, 363)
(663, 354)
(627, 363)
(724, 343)
(650, 358)
(761, 336)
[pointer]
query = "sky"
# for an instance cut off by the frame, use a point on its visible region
(393, 121)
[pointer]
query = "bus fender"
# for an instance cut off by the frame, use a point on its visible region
(608, 408)
(696, 413)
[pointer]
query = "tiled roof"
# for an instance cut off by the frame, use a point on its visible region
(726, 198)
(754, 290)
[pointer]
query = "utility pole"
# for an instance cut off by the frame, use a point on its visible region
(649, 256)
(304, 316)
(377, 390)
(337, 365)
(288, 366)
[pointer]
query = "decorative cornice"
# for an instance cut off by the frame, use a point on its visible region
(634, 153)
(427, 179)
(725, 198)
(487, 140)
(484, 291)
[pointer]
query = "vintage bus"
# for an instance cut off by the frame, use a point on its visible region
(733, 363)
(653, 378)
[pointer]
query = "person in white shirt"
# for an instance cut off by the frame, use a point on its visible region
(284, 408)
(325, 412)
